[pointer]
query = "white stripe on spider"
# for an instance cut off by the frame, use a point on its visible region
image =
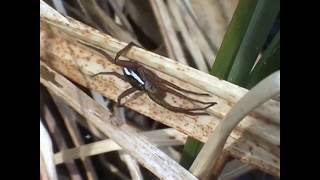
(133, 74)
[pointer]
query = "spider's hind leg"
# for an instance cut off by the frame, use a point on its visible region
(181, 89)
(125, 93)
(186, 97)
(154, 77)
(166, 105)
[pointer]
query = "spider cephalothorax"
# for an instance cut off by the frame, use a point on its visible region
(147, 81)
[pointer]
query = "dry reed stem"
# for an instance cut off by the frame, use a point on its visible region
(220, 164)
(136, 145)
(196, 34)
(132, 166)
(165, 137)
(107, 23)
(69, 119)
(60, 141)
(170, 38)
(234, 169)
(47, 166)
(192, 47)
(122, 17)
(114, 169)
(210, 19)
(211, 151)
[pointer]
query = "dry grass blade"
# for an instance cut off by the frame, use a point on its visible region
(132, 165)
(106, 22)
(59, 6)
(191, 46)
(168, 33)
(210, 19)
(69, 119)
(114, 4)
(147, 154)
(141, 14)
(47, 166)
(113, 169)
(165, 137)
(61, 142)
(234, 169)
(209, 154)
(229, 8)
(197, 35)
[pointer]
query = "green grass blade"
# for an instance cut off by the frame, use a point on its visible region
(223, 64)
(190, 152)
(267, 64)
(233, 38)
(259, 27)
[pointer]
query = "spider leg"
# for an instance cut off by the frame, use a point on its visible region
(115, 60)
(109, 58)
(163, 81)
(166, 105)
(183, 96)
(125, 93)
(111, 73)
(125, 50)
(181, 89)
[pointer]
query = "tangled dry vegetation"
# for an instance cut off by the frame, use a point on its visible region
(93, 138)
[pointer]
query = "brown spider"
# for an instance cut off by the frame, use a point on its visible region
(147, 81)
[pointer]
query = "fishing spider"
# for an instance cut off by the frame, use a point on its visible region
(147, 81)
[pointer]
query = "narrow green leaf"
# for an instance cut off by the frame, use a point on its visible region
(259, 27)
(223, 64)
(190, 152)
(267, 64)
(233, 38)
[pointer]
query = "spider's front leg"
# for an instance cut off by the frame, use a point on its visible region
(115, 60)
(111, 73)
(123, 63)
